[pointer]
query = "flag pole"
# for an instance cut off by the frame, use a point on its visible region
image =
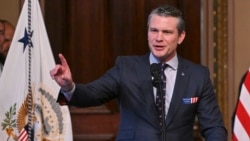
(30, 97)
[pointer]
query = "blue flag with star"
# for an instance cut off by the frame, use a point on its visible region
(25, 39)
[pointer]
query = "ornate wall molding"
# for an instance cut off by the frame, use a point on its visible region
(217, 52)
(220, 48)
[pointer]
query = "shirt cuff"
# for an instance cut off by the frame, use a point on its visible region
(69, 94)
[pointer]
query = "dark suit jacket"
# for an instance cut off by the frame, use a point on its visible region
(130, 82)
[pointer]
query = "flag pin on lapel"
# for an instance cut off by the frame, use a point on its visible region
(190, 100)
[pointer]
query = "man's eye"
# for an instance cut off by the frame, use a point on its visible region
(153, 30)
(167, 32)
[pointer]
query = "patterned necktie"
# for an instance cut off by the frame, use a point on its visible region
(160, 95)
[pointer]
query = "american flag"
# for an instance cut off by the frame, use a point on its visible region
(194, 99)
(241, 127)
(190, 100)
(23, 136)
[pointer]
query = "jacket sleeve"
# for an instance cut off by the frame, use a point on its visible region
(209, 115)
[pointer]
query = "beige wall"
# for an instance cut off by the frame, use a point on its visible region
(9, 10)
(241, 39)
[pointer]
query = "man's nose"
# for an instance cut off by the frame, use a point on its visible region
(159, 37)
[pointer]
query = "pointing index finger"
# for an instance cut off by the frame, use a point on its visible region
(63, 60)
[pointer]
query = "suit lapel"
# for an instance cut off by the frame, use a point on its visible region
(146, 88)
(179, 90)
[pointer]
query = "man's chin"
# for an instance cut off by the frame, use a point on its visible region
(158, 54)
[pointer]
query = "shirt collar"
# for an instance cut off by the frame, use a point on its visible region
(173, 63)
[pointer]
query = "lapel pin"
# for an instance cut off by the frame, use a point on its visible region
(182, 74)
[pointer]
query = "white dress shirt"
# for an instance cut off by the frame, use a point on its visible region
(170, 73)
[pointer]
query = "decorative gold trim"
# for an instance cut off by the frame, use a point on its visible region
(221, 53)
(223, 59)
(217, 52)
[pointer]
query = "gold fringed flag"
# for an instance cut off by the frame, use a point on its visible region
(241, 127)
(28, 108)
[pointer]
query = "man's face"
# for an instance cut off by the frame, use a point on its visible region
(163, 37)
(8, 35)
(1, 33)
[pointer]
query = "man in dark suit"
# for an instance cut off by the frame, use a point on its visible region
(187, 93)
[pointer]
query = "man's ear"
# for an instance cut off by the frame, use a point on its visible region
(181, 37)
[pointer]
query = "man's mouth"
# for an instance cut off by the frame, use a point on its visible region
(158, 47)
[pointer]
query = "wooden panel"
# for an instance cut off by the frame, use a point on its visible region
(55, 21)
(100, 30)
(190, 48)
(128, 28)
(88, 39)
(94, 124)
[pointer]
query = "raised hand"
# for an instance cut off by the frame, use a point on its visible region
(62, 74)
